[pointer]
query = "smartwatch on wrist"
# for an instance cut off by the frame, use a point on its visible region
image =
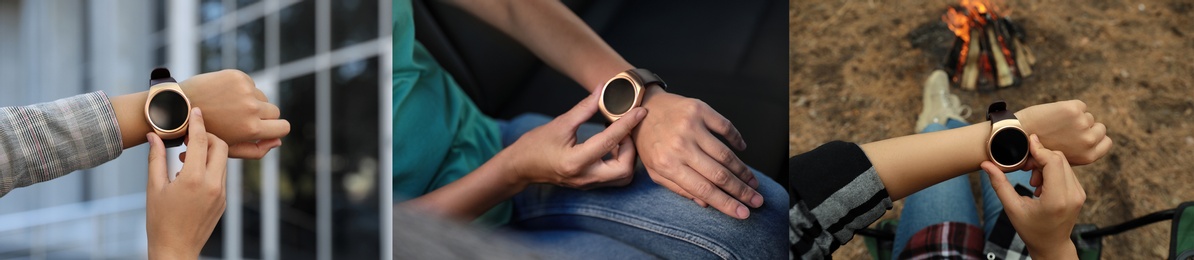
(167, 108)
(1007, 146)
(625, 91)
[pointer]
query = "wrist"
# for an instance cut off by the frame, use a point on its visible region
(509, 171)
(130, 116)
(168, 252)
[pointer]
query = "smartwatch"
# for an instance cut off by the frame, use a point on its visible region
(625, 91)
(167, 108)
(1007, 146)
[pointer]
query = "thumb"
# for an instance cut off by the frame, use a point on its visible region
(602, 143)
(157, 162)
(1003, 188)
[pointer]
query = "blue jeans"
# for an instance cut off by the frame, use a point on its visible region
(951, 200)
(640, 220)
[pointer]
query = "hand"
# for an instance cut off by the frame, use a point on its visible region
(1067, 127)
(240, 112)
(1045, 224)
(181, 215)
(550, 154)
(680, 153)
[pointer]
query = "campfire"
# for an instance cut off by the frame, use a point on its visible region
(989, 51)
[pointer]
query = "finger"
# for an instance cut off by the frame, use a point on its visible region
(702, 189)
(581, 112)
(269, 111)
(1096, 133)
(217, 159)
(1103, 147)
(726, 157)
(602, 143)
(182, 157)
(1089, 120)
(726, 180)
(157, 163)
(273, 128)
(719, 124)
(260, 95)
(625, 152)
(1050, 161)
(1035, 180)
(670, 185)
(253, 150)
(1003, 188)
(196, 144)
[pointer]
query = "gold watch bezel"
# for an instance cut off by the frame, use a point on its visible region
(1006, 125)
(167, 134)
(639, 90)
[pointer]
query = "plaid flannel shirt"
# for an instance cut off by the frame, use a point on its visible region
(48, 140)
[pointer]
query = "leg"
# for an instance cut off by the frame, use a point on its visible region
(650, 217)
(950, 200)
(571, 244)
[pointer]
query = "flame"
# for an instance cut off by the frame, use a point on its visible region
(970, 14)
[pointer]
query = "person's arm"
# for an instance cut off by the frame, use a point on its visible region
(180, 215)
(45, 141)
(547, 154)
(239, 113)
(911, 163)
(676, 141)
(1044, 223)
(48, 140)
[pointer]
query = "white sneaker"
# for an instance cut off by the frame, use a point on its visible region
(938, 104)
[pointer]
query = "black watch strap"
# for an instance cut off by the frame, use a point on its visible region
(998, 112)
(158, 76)
(647, 77)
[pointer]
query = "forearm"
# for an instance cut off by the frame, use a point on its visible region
(911, 163)
(44, 141)
(472, 195)
(130, 114)
(556, 35)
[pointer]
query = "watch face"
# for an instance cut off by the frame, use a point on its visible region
(168, 110)
(1009, 146)
(619, 96)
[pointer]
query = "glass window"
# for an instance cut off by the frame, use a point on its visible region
(250, 46)
(353, 21)
(210, 10)
(355, 167)
(296, 171)
(243, 3)
(210, 58)
(298, 31)
(161, 55)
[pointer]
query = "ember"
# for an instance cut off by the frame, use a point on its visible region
(989, 50)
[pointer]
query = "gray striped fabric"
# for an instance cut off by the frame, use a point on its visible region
(48, 140)
(846, 209)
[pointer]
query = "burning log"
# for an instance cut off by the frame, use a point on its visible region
(989, 51)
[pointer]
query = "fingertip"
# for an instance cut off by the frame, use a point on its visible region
(742, 212)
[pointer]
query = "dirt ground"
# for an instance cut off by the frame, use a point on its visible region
(856, 70)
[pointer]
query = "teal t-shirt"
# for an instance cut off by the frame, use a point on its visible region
(439, 134)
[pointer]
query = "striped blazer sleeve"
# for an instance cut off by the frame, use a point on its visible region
(45, 141)
(834, 192)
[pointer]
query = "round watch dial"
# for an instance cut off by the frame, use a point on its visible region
(1009, 146)
(619, 96)
(168, 110)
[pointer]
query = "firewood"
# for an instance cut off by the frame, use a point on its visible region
(1003, 72)
(970, 71)
(1022, 58)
